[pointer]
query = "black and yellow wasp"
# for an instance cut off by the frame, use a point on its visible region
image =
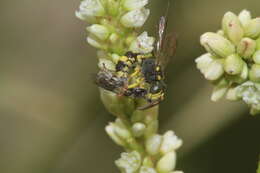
(142, 75)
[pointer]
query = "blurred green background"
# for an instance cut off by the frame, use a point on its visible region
(51, 118)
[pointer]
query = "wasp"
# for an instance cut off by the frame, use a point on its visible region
(142, 75)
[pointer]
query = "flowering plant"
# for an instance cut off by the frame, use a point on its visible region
(232, 61)
(114, 31)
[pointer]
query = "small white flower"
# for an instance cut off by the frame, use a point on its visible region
(143, 44)
(129, 162)
(170, 142)
(203, 62)
(153, 144)
(250, 93)
(135, 18)
(135, 4)
(89, 9)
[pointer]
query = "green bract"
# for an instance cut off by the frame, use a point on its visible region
(233, 58)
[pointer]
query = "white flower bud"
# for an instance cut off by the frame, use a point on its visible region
(177, 172)
(252, 29)
(214, 71)
(100, 31)
(246, 48)
(152, 144)
(113, 38)
(135, 4)
(254, 73)
(221, 33)
(151, 128)
(122, 132)
(233, 64)
(203, 62)
(142, 44)
(135, 18)
(105, 63)
(244, 73)
(256, 57)
(232, 27)
(138, 129)
(232, 94)
(217, 45)
(93, 42)
(110, 131)
(244, 17)
(129, 162)
(89, 9)
(219, 90)
(167, 162)
(170, 142)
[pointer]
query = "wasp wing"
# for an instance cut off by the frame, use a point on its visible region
(168, 49)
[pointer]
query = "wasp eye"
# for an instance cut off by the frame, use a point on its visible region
(155, 88)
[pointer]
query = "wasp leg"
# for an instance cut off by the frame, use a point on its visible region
(137, 83)
(151, 104)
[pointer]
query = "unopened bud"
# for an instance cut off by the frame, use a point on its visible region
(252, 29)
(246, 48)
(256, 57)
(100, 31)
(95, 43)
(167, 162)
(122, 132)
(113, 7)
(203, 62)
(219, 90)
(113, 38)
(214, 71)
(217, 45)
(138, 129)
(110, 131)
(232, 27)
(244, 17)
(135, 18)
(233, 64)
(153, 144)
(134, 4)
(254, 73)
(244, 73)
(232, 94)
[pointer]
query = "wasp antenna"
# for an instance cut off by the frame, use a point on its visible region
(167, 10)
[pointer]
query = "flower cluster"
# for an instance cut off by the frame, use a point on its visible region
(232, 63)
(114, 23)
(113, 31)
(142, 159)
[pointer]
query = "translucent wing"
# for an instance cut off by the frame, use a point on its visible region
(168, 49)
